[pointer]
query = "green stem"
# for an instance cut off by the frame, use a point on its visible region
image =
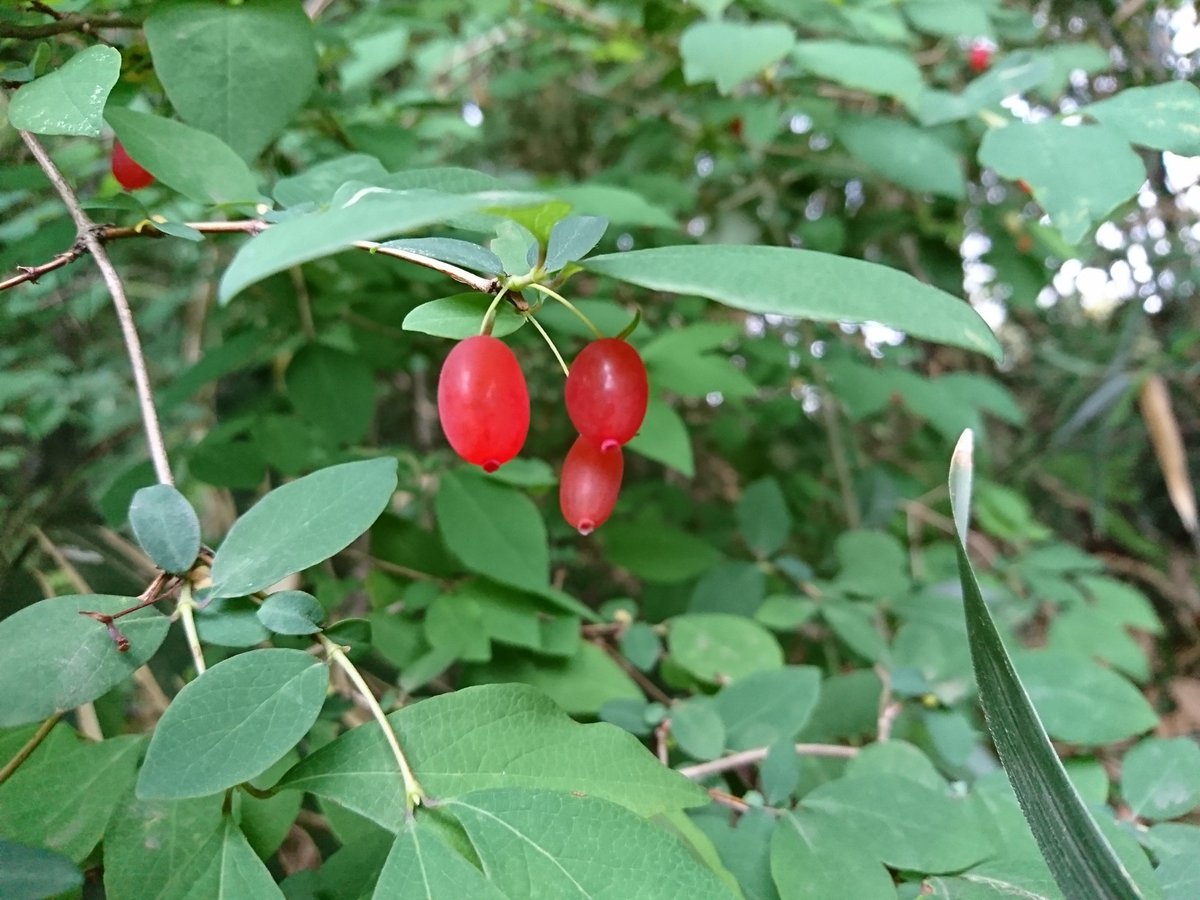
(541, 288)
(414, 794)
(187, 610)
(489, 317)
(30, 745)
(542, 331)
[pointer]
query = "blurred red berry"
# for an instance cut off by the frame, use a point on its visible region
(607, 392)
(979, 57)
(590, 483)
(129, 174)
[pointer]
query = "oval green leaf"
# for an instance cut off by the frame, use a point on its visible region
(805, 284)
(232, 723)
(55, 659)
(292, 612)
(166, 527)
(194, 163)
(460, 316)
(301, 524)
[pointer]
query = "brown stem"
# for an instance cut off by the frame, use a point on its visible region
(87, 233)
(30, 745)
(64, 24)
(758, 754)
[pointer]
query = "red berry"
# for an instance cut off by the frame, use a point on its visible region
(607, 392)
(483, 402)
(980, 57)
(130, 175)
(591, 480)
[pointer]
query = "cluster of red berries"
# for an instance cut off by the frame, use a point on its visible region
(128, 173)
(483, 404)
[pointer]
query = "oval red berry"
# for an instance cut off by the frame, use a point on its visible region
(590, 483)
(129, 174)
(607, 392)
(483, 402)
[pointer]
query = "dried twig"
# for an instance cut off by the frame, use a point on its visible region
(701, 771)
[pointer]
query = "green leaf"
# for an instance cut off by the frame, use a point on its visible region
(539, 219)
(896, 758)
(1160, 778)
(949, 18)
(292, 612)
(1080, 701)
(230, 622)
(657, 552)
(232, 723)
(1046, 156)
(641, 646)
(744, 847)
(63, 796)
(1014, 74)
(916, 828)
(763, 518)
(181, 850)
(854, 624)
(301, 524)
(620, 206)
(873, 564)
(764, 707)
(237, 71)
(729, 53)
(1080, 858)
(805, 284)
(912, 157)
(581, 684)
(460, 316)
(716, 647)
(813, 858)
(69, 100)
(573, 238)
(444, 873)
(31, 873)
(370, 214)
(698, 728)
(489, 736)
(460, 253)
(57, 659)
(319, 183)
(495, 530)
(530, 837)
(877, 70)
(161, 849)
(192, 162)
(333, 390)
(664, 438)
(1162, 116)
(166, 527)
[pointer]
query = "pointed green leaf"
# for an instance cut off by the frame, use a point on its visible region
(729, 53)
(232, 723)
(717, 647)
(69, 100)
(166, 527)
(192, 162)
(489, 736)
(370, 214)
(302, 523)
(495, 530)
(763, 518)
(1163, 116)
(805, 284)
(1080, 858)
(573, 238)
(878, 70)
(451, 250)
(1046, 156)
(239, 71)
(422, 866)
(57, 659)
(764, 707)
(526, 837)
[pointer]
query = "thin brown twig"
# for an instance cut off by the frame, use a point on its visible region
(116, 289)
(66, 23)
(758, 754)
(634, 672)
(30, 745)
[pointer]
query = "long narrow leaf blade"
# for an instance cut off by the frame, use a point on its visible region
(1079, 856)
